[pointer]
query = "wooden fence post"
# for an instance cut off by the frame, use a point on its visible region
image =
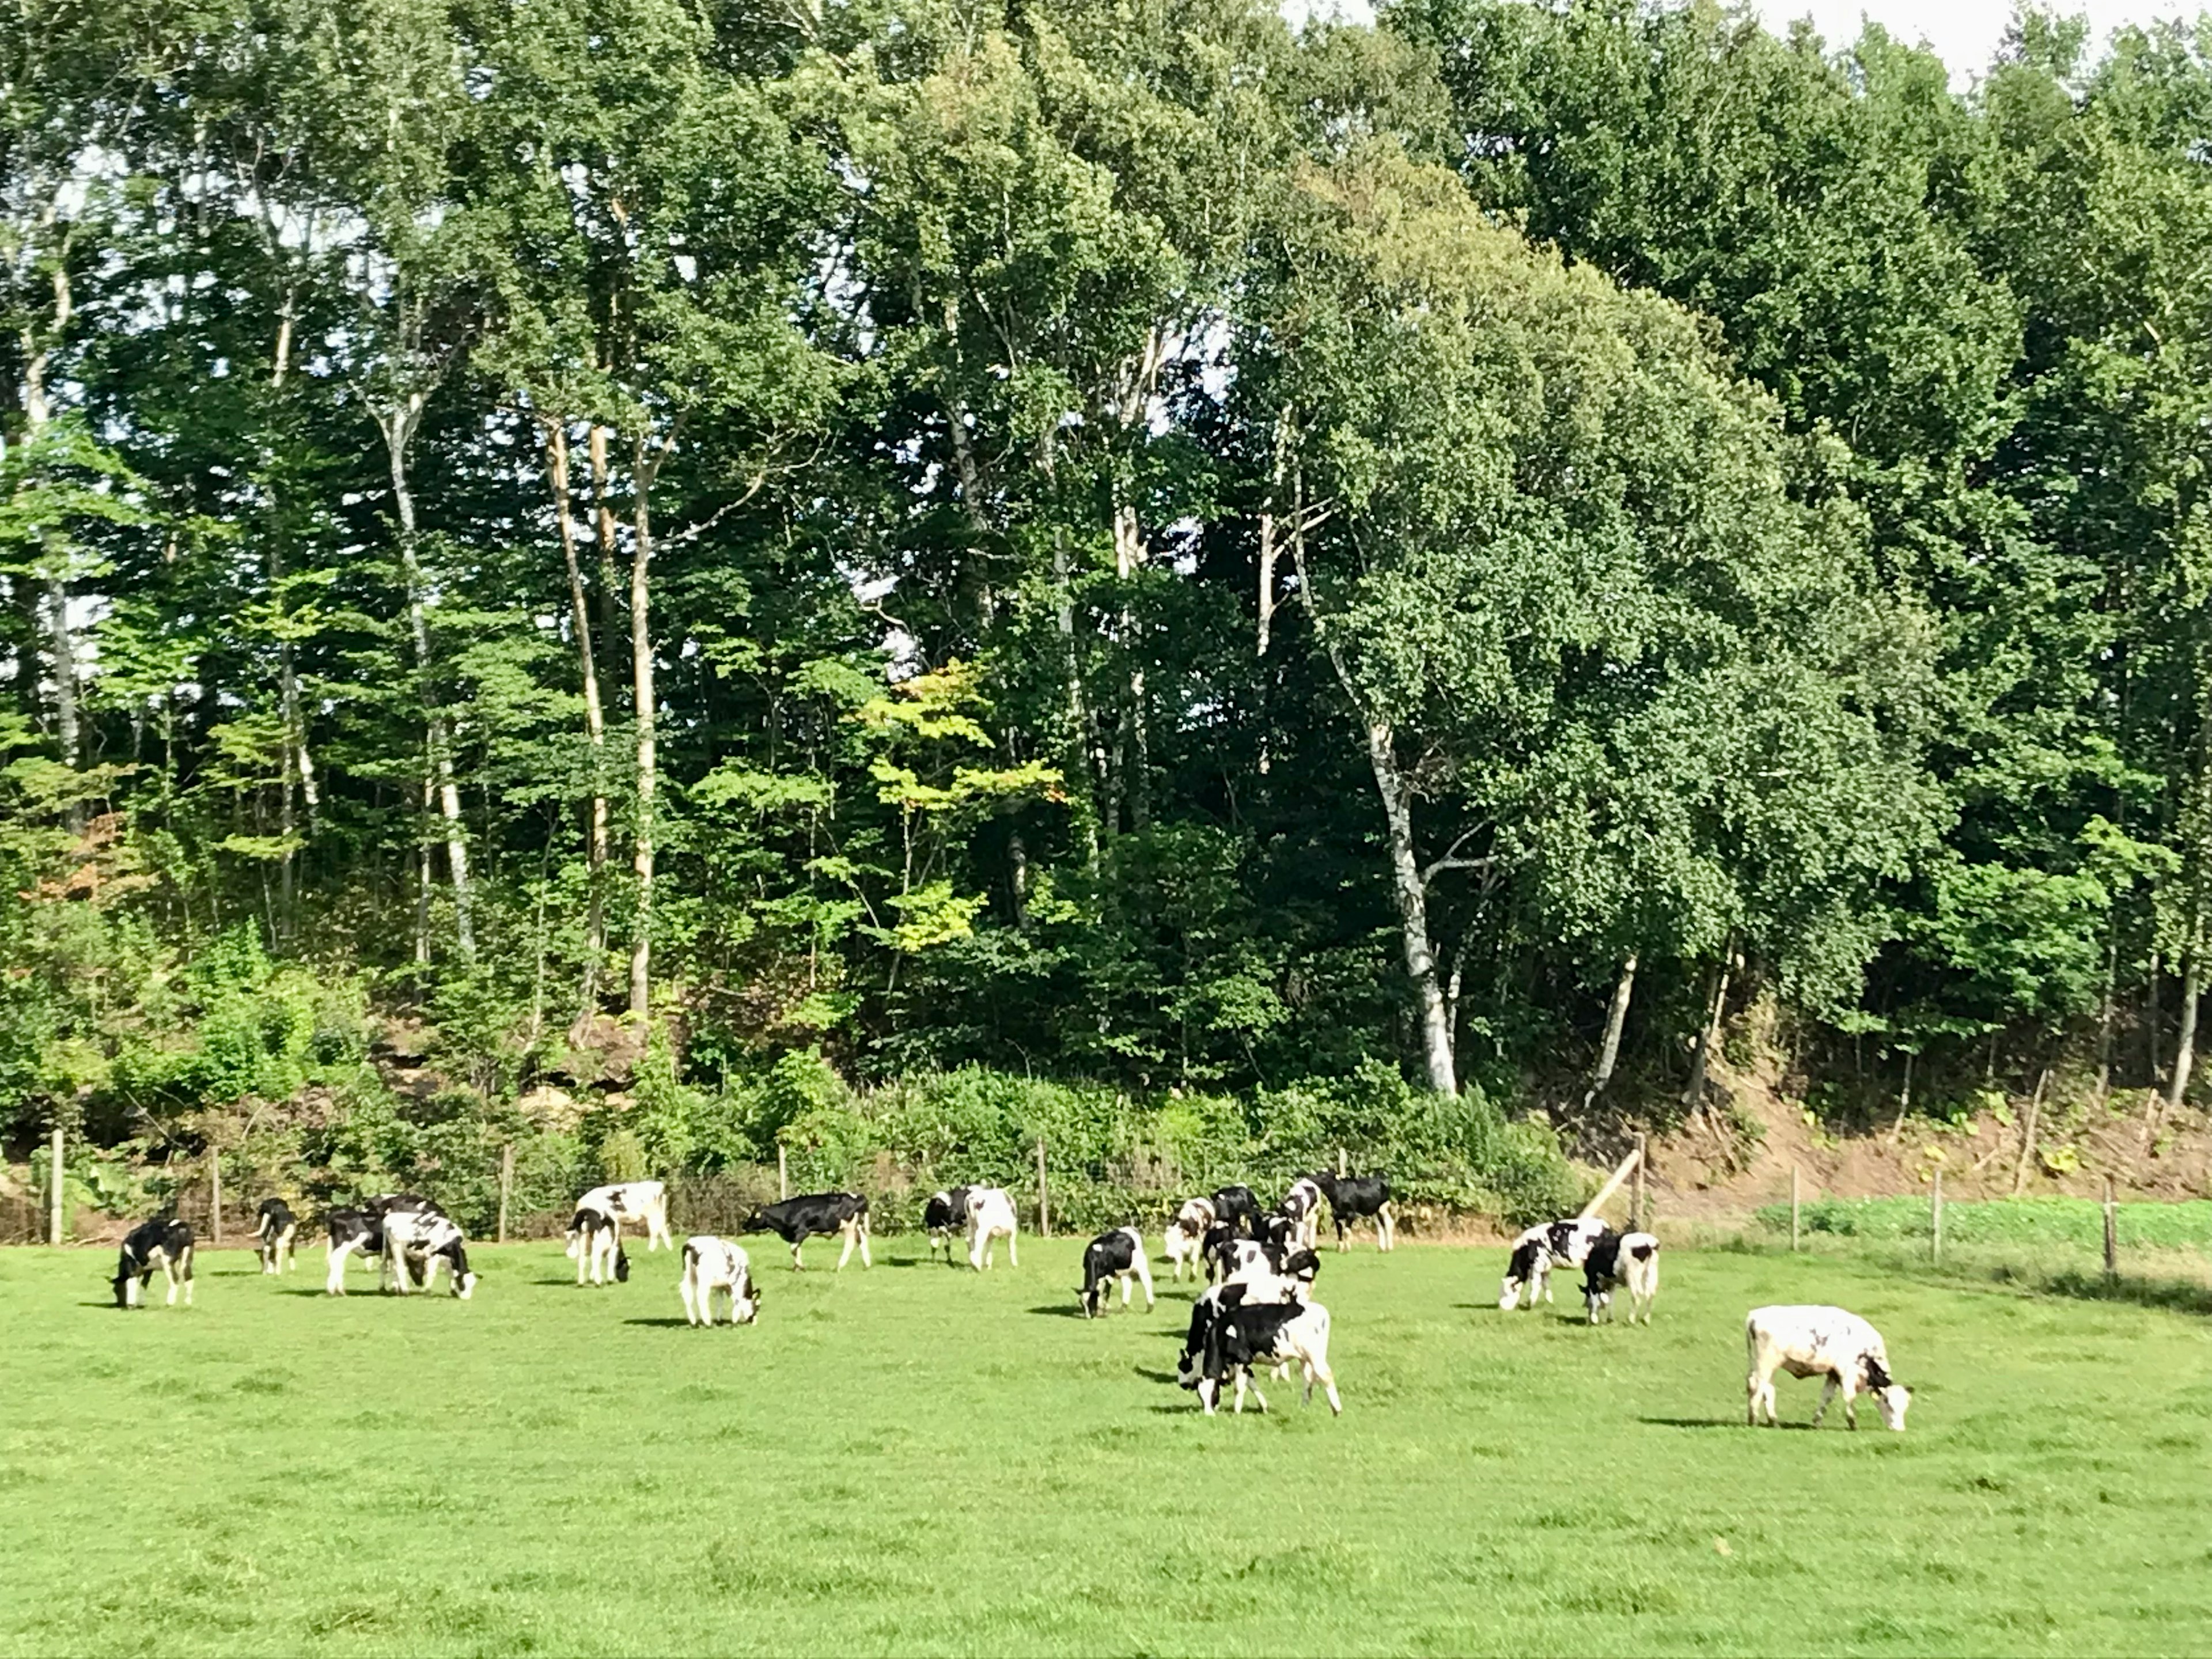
(54, 1217)
(2112, 1233)
(1935, 1219)
(782, 1171)
(215, 1195)
(1636, 1195)
(1044, 1206)
(1793, 1207)
(506, 1185)
(1343, 1168)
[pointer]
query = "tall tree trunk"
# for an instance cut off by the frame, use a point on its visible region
(37, 414)
(603, 519)
(398, 423)
(1130, 554)
(299, 760)
(595, 724)
(1616, 1020)
(2151, 1023)
(2185, 1051)
(1708, 1034)
(645, 465)
(1411, 895)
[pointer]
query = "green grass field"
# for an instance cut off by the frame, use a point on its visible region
(915, 1460)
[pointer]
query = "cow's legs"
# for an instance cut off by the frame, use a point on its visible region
(797, 1265)
(852, 1237)
(691, 1306)
(1014, 1251)
(1828, 1387)
(866, 1260)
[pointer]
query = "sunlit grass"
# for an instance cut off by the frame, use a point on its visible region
(916, 1459)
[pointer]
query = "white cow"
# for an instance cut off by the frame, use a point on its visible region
(712, 1264)
(426, 1236)
(1185, 1249)
(645, 1202)
(1817, 1341)
(990, 1218)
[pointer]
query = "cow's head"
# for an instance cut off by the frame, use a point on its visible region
(622, 1265)
(755, 1223)
(1519, 1272)
(744, 1302)
(1890, 1395)
(465, 1282)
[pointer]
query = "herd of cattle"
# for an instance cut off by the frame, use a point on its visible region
(1257, 1313)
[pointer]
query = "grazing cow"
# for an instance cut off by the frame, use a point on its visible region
(1184, 1249)
(1230, 1334)
(1272, 1274)
(990, 1218)
(1111, 1255)
(1359, 1197)
(360, 1231)
(165, 1243)
(1630, 1259)
(946, 1214)
(1826, 1342)
(422, 1239)
(1197, 1216)
(712, 1264)
(795, 1220)
(595, 1242)
(1234, 1204)
(1535, 1253)
(274, 1234)
(1301, 1207)
(645, 1202)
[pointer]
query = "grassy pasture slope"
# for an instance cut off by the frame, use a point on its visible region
(917, 1460)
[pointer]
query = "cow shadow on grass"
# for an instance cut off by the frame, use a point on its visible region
(1707, 1423)
(670, 1322)
(1152, 1375)
(1061, 1310)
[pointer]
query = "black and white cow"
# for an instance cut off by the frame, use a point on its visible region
(1272, 1274)
(945, 1215)
(595, 1243)
(712, 1264)
(1221, 1252)
(990, 1218)
(1111, 1255)
(795, 1220)
(359, 1231)
(1537, 1251)
(1230, 1334)
(1826, 1342)
(1629, 1259)
(1301, 1207)
(1234, 1205)
(165, 1243)
(420, 1240)
(1359, 1198)
(274, 1234)
(644, 1201)
(1185, 1249)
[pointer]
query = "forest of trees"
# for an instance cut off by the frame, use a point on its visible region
(1111, 541)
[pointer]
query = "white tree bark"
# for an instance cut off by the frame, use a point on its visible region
(645, 465)
(595, 723)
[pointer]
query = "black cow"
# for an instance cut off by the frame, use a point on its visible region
(795, 1220)
(1232, 1205)
(165, 1243)
(274, 1234)
(944, 1216)
(1116, 1255)
(1230, 1334)
(1359, 1198)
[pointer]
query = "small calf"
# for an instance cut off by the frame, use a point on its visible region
(1818, 1341)
(795, 1220)
(1301, 1207)
(1184, 1249)
(1630, 1259)
(1359, 1198)
(990, 1218)
(1535, 1253)
(165, 1243)
(644, 1201)
(274, 1234)
(1111, 1255)
(946, 1214)
(712, 1264)
(595, 1242)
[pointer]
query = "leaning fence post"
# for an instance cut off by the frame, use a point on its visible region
(54, 1191)
(1935, 1219)
(1044, 1207)
(1636, 1193)
(2112, 1233)
(782, 1171)
(1793, 1207)
(506, 1185)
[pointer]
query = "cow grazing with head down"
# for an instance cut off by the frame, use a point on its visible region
(275, 1231)
(1359, 1197)
(1626, 1259)
(642, 1201)
(359, 1231)
(990, 1218)
(595, 1243)
(1231, 1333)
(1540, 1248)
(420, 1241)
(712, 1264)
(795, 1220)
(946, 1214)
(1111, 1255)
(165, 1243)
(1825, 1342)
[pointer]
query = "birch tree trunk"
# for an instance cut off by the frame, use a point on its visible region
(595, 723)
(2185, 1052)
(37, 414)
(1616, 1020)
(1411, 895)
(645, 464)
(398, 423)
